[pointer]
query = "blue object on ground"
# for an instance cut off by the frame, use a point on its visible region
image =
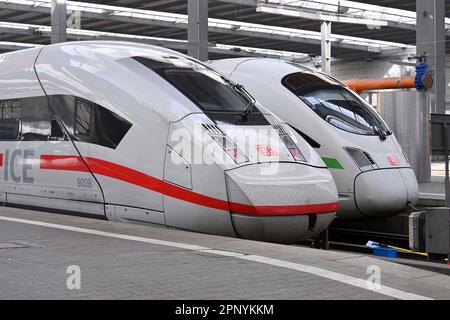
(385, 252)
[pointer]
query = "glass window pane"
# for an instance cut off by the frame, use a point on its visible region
(335, 103)
(110, 128)
(36, 119)
(90, 122)
(210, 95)
(65, 108)
(83, 119)
(56, 131)
(202, 85)
(9, 129)
(11, 109)
(10, 119)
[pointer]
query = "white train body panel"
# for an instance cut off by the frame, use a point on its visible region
(386, 189)
(18, 76)
(94, 128)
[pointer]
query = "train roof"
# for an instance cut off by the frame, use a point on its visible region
(119, 49)
(265, 66)
(99, 71)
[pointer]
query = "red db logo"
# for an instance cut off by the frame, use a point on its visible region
(266, 150)
(393, 161)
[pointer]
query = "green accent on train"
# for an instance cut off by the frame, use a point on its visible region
(332, 163)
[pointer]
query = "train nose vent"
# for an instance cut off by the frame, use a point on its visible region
(362, 158)
(280, 129)
(213, 129)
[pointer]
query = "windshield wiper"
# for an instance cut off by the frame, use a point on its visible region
(240, 88)
(249, 108)
(383, 134)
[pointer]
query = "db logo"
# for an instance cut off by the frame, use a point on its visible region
(266, 150)
(393, 161)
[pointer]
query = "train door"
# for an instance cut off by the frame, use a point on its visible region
(40, 166)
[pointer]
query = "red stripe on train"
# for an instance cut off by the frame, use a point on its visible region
(1, 159)
(68, 163)
(122, 173)
(143, 180)
(284, 210)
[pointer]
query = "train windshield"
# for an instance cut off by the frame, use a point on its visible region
(202, 85)
(336, 104)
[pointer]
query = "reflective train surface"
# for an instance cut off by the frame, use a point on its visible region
(142, 134)
(372, 174)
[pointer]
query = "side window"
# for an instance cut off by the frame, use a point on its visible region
(90, 122)
(56, 132)
(83, 119)
(65, 108)
(35, 119)
(109, 127)
(10, 119)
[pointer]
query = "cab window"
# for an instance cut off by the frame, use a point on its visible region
(205, 87)
(335, 103)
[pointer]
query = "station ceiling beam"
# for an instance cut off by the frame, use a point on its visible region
(79, 34)
(341, 11)
(155, 18)
(287, 10)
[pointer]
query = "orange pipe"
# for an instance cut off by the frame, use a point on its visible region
(380, 84)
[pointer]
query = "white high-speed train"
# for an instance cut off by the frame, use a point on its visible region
(96, 128)
(373, 176)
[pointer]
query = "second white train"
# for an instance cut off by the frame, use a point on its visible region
(373, 176)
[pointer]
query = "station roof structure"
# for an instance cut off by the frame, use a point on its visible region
(279, 28)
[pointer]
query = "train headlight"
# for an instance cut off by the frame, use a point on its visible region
(237, 155)
(290, 144)
(227, 145)
(292, 147)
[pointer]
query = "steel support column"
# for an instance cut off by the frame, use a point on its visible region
(407, 113)
(198, 29)
(431, 41)
(326, 46)
(430, 38)
(59, 21)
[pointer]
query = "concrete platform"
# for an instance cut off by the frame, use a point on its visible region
(124, 261)
(433, 193)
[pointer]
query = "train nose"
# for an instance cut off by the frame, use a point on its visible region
(381, 193)
(281, 202)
